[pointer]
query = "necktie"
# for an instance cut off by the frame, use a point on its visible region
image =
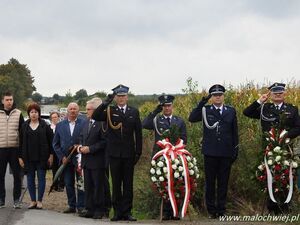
(169, 120)
(219, 110)
(122, 110)
(90, 126)
(277, 107)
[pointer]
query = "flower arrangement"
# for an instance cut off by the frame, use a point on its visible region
(276, 173)
(174, 174)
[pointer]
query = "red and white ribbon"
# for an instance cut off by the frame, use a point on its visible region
(171, 152)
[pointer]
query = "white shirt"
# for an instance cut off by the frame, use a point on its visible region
(279, 105)
(221, 108)
(124, 107)
(72, 126)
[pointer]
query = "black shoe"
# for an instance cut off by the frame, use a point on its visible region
(166, 217)
(116, 218)
(2, 204)
(129, 218)
(86, 214)
(98, 215)
(80, 210)
(70, 210)
(212, 216)
(175, 218)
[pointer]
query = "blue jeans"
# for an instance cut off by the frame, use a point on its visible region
(41, 174)
(69, 179)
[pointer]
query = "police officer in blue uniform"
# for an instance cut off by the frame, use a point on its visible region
(160, 123)
(219, 146)
(124, 146)
(269, 114)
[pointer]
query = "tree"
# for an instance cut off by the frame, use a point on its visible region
(16, 77)
(37, 97)
(82, 93)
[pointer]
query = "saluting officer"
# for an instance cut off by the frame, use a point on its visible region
(124, 145)
(219, 146)
(160, 123)
(269, 115)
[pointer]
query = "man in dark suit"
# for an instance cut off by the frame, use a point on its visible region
(219, 146)
(276, 114)
(124, 145)
(93, 163)
(161, 123)
(66, 135)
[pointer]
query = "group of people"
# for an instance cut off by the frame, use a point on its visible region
(111, 137)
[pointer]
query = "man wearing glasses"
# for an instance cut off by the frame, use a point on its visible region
(219, 147)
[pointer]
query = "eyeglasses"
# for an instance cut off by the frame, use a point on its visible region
(217, 95)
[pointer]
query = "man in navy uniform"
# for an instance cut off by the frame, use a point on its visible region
(124, 145)
(219, 146)
(269, 115)
(161, 123)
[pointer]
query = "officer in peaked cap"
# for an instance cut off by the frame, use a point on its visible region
(219, 146)
(124, 146)
(269, 115)
(160, 123)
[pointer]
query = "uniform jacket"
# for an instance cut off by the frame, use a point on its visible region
(125, 142)
(94, 139)
(162, 125)
(45, 135)
(63, 140)
(221, 141)
(291, 123)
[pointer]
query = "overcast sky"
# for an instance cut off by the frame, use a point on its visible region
(152, 46)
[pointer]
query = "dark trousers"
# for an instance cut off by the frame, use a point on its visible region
(33, 168)
(69, 179)
(94, 189)
(10, 155)
(122, 184)
(54, 168)
(107, 195)
(217, 169)
(277, 208)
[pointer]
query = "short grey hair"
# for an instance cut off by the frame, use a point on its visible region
(95, 102)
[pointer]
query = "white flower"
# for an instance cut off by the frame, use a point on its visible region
(287, 140)
(261, 167)
(192, 172)
(294, 164)
(285, 152)
(268, 139)
(174, 166)
(161, 179)
(270, 153)
(152, 171)
(176, 174)
(191, 165)
(188, 158)
(176, 161)
(277, 149)
(286, 163)
(197, 176)
(160, 164)
(153, 179)
(153, 163)
(180, 168)
(165, 169)
(270, 162)
(158, 172)
(194, 160)
(277, 158)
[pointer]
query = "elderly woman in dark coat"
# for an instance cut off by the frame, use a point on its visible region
(36, 153)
